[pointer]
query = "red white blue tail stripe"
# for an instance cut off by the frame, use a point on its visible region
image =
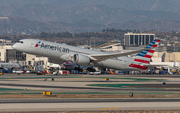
(144, 57)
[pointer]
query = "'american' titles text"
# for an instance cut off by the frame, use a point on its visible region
(55, 48)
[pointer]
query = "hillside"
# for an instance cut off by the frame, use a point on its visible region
(99, 14)
(158, 25)
(20, 25)
(153, 5)
(36, 16)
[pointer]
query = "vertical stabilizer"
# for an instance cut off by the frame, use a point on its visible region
(144, 57)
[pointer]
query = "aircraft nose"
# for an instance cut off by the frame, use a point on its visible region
(18, 47)
(14, 46)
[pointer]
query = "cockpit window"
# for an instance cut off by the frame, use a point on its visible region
(19, 41)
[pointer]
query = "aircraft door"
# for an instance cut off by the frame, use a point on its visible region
(126, 62)
(31, 44)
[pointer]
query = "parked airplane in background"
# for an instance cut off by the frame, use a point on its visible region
(165, 64)
(8, 66)
(86, 57)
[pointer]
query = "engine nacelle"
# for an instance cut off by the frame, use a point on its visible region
(81, 59)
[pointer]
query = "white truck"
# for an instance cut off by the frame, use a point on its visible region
(95, 73)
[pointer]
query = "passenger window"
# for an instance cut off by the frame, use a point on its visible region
(125, 61)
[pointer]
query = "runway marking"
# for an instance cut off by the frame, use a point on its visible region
(109, 108)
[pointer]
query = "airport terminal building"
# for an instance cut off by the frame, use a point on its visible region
(8, 54)
(137, 39)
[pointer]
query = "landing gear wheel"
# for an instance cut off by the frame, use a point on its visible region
(90, 69)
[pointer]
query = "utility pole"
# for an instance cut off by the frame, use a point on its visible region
(90, 43)
(109, 39)
(94, 41)
(174, 54)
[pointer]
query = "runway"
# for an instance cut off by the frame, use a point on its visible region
(108, 89)
(80, 100)
(110, 95)
(89, 107)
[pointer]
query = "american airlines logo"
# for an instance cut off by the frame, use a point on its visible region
(55, 48)
(37, 44)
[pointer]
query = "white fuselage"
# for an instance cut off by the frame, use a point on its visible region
(63, 52)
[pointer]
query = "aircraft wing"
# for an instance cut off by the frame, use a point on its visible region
(102, 57)
(152, 65)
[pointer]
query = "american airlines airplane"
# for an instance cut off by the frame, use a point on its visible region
(59, 53)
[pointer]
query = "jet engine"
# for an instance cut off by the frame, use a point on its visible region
(81, 59)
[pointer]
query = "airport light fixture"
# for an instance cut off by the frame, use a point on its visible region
(174, 54)
(94, 41)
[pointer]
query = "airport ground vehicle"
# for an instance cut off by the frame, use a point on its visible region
(1, 72)
(28, 71)
(41, 72)
(17, 71)
(163, 72)
(95, 73)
